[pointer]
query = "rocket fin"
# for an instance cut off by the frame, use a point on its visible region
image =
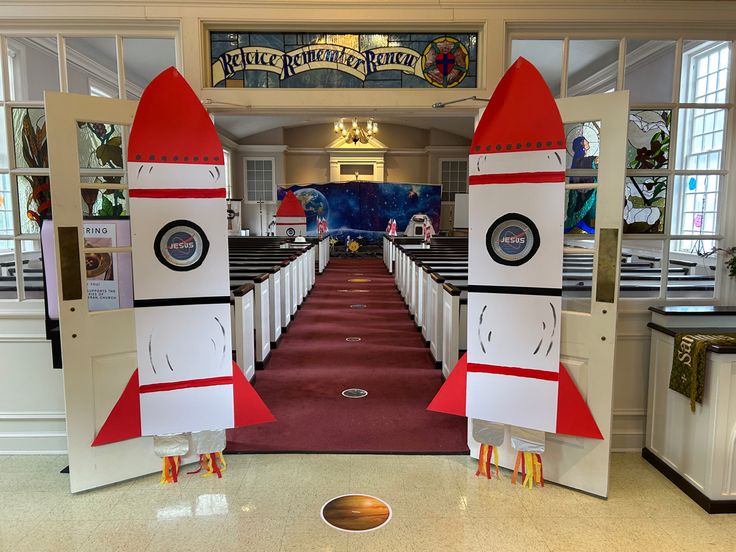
(124, 421)
(248, 406)
(573, 415)
(452, 396)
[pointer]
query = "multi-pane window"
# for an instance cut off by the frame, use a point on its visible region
(259, 180)
(453, 177)
(705, 72)
(31, 65)
(675, 167)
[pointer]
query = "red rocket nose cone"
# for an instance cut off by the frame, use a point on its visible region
(521, 115)
(171, 126)
(290, 207)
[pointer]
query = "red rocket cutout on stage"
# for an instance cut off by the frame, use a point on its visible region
(186, 380)
(291, 220)
(512, 372)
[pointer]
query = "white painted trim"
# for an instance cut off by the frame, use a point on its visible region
(32, 416)
(19, 338)
(39, 435)
(276, 148)
(22, 312)
(450, 150)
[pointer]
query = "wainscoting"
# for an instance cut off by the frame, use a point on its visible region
(32, 399)
(31, 391)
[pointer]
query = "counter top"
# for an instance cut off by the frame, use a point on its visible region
(690, 310)
(719, 349)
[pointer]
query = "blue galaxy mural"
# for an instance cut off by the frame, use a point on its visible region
(362, 209)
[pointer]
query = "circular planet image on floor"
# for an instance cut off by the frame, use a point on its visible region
(359, 306)
(352, 339)
(355, 393)
(359, 280)
(356, 513)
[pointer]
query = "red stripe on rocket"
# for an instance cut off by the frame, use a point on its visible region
(512, 372)
(186, 379)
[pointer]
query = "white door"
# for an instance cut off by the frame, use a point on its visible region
(98, 346)
(589, 316)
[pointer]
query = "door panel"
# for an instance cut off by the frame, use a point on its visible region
(589, 318)
(98, 347)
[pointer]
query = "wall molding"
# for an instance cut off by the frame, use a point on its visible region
(20, 338)
(32, 416)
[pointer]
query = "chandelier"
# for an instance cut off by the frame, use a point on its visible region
(354, 133)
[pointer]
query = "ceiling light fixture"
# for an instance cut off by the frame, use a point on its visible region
(352, 132)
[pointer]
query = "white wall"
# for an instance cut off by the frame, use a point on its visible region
(31, 391)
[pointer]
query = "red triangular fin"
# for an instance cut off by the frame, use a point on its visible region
(248, 406)
(573, 415)
(452, 396)
(124, 421)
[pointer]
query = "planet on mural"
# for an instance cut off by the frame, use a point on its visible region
(314, 203)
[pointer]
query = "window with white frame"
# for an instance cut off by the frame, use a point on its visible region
(705, 81)
(32, 66)
(453, 177)
(260, 184)
(675, 168)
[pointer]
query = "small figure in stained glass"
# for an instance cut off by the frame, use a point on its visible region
(580, 214)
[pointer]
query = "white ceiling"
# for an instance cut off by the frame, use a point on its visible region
(238, 127)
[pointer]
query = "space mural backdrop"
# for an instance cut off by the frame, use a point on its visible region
(361, 209)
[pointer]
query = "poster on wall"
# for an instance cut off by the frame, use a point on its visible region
(109, 275)
(361, 209)
(102, 281)
(343, 60)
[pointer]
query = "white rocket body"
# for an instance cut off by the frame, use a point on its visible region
(510, 326)
(180, 342)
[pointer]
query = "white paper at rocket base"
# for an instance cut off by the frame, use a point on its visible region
(186, 380)
(512, 372)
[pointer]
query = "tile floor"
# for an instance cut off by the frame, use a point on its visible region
(272, 502)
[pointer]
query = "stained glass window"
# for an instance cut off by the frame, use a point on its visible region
(645, 204)
(29, 137)
(583, 145)
(343, 60)
(580, 206)
(648, 139)
(34, 198)
(107, 203)
(100, 146)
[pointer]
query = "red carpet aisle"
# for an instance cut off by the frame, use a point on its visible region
(313, 364)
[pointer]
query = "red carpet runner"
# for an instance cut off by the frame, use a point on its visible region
(303, 381)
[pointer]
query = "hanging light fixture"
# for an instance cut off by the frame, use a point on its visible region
(353, 132)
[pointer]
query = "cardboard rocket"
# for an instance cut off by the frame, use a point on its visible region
(291, 220)
(186, 380)
(512, 372)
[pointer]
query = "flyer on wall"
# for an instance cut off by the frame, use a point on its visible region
(102, 277)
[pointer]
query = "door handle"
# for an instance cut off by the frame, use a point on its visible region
(608, 261)
(71, 273)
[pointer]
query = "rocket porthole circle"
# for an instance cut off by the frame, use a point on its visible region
(512, 239)
(181, 245)
(290, 232)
